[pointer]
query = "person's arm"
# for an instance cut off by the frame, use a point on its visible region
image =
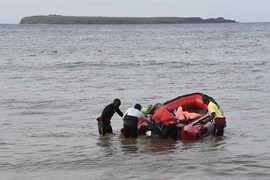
(124, 115)
(212, 115)
(148, 121)
(209, 118)
(142, 116)
(119, 112)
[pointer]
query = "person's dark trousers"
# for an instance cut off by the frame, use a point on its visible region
(218, 130)
(130, 126)
(104, 127)
(169, 131)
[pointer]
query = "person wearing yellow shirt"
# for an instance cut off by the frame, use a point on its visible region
(215, 114)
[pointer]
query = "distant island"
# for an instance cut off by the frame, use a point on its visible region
(58, 19)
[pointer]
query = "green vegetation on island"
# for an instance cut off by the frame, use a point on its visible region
(58, 19)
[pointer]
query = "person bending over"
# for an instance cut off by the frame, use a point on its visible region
(214, 114)
(104, 121)
(165, 124)
(131, 118)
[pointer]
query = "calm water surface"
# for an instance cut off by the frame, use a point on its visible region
(55, 80)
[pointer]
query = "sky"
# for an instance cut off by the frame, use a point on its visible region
(12, 11)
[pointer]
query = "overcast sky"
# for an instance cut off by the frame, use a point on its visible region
(11, 11)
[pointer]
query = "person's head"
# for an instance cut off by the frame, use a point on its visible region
(150, 109)
(138, 106)
(157, 105)
(116, 103)
(205, 99)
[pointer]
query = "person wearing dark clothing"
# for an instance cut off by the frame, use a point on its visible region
(104, 121)
(130, 126)
(165, 125)
(130, 118)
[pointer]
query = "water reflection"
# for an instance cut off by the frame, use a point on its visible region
(129, 145)
(211, 143)
(162, 146)
(148, 145)
(110, 144)
(106, 144)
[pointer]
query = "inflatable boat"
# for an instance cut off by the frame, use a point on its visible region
(197, 127)
(191, 110)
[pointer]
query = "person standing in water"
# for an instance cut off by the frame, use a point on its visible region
(131, 119)
(214, 114)
(104, 121)
(165, 124)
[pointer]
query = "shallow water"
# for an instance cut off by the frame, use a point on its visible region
(55, 80)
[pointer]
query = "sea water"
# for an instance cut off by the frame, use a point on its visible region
(56, 80)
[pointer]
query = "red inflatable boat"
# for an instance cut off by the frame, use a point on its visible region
(194, 111)
(196, 128)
